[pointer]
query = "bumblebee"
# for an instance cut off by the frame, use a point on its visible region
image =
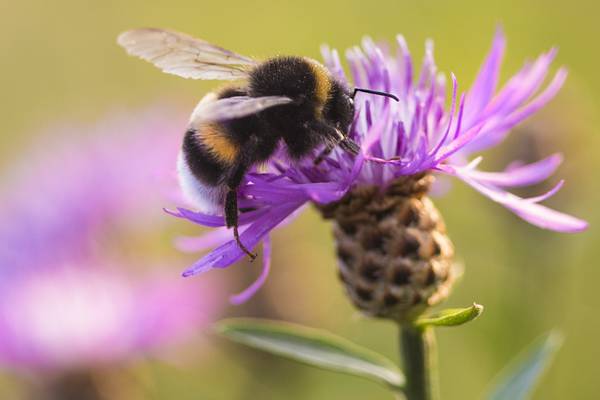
(289, 99)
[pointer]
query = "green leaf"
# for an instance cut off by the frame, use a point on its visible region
(313, 347)
(451, 317)
(518, 380)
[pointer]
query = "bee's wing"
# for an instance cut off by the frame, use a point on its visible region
(212, 109)
(180, 54)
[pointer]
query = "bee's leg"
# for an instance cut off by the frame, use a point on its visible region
(231, 220)
(325, 152)
(231, 205)
(333, 138)
(350, 146)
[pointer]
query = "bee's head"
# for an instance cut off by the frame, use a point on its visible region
(339, 109)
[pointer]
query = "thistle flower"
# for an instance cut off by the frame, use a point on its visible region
(388, 232)
(67, 302)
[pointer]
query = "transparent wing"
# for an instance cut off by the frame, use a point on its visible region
(213, 109)
(183, 55)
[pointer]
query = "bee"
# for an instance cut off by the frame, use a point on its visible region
(289, 99)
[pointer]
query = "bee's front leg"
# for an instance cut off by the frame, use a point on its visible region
(333, 138)
(325, 152)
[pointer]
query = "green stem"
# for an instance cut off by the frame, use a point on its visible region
(419, 356)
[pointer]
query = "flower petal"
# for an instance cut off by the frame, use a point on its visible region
(548, 194)
(193, 244)
(483, 88)
(230, 252)
(251, 290)
(531, 212)
(499, 121)
(215, 220)
(519, 176)
(498, 130)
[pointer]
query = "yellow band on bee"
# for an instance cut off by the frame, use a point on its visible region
(212, 136)
(322, 83)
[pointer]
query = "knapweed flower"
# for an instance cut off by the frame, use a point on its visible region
(74, 293)
(388, 232)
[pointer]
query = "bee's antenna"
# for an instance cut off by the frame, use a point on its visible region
(377, 92)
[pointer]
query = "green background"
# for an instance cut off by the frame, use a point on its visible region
(60, 62)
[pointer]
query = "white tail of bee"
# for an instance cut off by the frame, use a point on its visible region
(207, 199)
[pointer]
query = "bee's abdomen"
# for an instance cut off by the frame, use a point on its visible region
(202, 161)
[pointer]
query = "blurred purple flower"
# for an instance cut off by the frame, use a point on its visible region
(66, 298)
(78, 180)
(79, 316)
(418, 134)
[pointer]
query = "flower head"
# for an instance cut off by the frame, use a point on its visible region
(69, 298)
(421, 133)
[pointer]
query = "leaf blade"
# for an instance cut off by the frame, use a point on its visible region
(520, 377)
(312, 347)
(451, 317)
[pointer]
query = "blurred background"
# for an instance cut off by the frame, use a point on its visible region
(60, 64)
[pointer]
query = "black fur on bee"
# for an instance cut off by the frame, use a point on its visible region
(220, 153)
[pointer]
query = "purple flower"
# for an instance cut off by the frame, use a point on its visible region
(420, 133)
(77, 180)
(71, 294)
(78, 316)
